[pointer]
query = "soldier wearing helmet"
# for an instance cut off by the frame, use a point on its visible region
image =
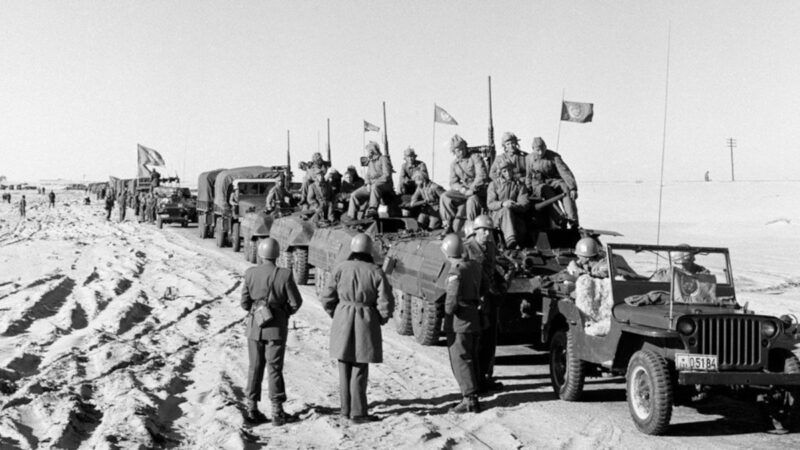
(591, 259)
(359, 299)
(507, 200)
(481, 248)
(511, 155)
(278, 197)
(467, 195)
(320, 198)
(378, 184)
(410, 166)
(273, 288)
(462, 321)
(683, 259)
(547, 175)
(350, 182)
(425, 201)
(316, 166)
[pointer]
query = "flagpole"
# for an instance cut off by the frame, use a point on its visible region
(663, 136)
(433, 147)
(558, 136)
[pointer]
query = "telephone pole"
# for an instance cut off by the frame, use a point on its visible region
(732, 145)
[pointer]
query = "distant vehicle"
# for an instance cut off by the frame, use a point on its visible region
(675, 330)
(174, 205)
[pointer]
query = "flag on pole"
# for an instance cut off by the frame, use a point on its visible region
(442, 116)
(370, 127)
(577, 112)
(149, 156)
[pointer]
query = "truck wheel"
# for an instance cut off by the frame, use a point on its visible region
(426, 321)
(250, 249)
(649, 389)
(202, 228)
(300, 265)
(402, 315)
(184, 224)
(320, 279)
(285, 259)
(219, 234)
(236, 238)
(567, 371)
(160, 222)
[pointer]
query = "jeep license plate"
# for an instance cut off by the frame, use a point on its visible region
(697, 363)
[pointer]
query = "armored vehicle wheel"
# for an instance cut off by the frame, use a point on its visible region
(160, 222)
(285, 259)
(184, 224)
(402, 315)
(649, 389)
(235, 237)
(320, 279)
(250, 249)
(300, 265)
(203, 231)
(426, 321)
(219, 234)
(567, 372)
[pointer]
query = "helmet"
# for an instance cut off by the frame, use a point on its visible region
(457, 142)
(483, 221)
(587, 247)
(361, 243)
(469, 228)
(268, 249)
(409, 152)
(508, 137)
(424, 220)
(538, 143)
(680, 257)
(506, 164)
(452, 246)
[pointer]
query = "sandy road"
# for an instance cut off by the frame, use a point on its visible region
(122, 335)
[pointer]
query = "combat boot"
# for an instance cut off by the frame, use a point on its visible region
(279, 416)
(253, 415)
(468, 404)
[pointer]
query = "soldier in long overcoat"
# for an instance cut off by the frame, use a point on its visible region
(547, 175)
(359, 299)
(266, 284)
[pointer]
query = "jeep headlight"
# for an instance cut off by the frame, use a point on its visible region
(686, 326)
(769, 328)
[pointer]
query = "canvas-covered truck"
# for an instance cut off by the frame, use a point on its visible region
(669, 319)
(205, 202)
(252, 185)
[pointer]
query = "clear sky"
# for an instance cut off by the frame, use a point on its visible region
(214, 84)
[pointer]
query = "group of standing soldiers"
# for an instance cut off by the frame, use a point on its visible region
(143, 205)
(359, 299)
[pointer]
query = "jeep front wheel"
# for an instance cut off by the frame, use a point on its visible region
(649, 391)
(567, 371)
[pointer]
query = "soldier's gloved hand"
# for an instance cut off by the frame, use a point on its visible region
(506, 204)
(573, 194)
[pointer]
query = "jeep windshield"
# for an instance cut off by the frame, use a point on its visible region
(691, 275)
(174, 193)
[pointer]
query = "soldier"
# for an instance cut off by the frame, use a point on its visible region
(683, 259)
(351, 181)
(468, 181)
(150, 207)
(135, 205)
(109, 205)
(359, 299)
(425, 201)
(22, 205)
(507, 199)
(481, 248)
(317, 165)
(272, 288)
(548, 175)
(155, 179)
(233, 200)
(123, 194)
(462, 321)
(320, 198)
(142, 207)
(52, 197)
(277, 197)
(409, 168)
(591, 260)
(511, 154)
(378, 183)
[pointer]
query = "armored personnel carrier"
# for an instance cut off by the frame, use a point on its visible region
(293, 232)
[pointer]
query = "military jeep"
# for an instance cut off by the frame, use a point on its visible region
(174, 205)
(675, 328)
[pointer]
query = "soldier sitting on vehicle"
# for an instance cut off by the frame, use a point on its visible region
(320, 198)
(334, 179)
(277, 197)
(410, 166)
(350, 182)
(684, 260)
(378, 187)
(425, 202)
(468, 179)
(591, 260)
(511, 154)
(547, 175)
(507, 199)
(317, 165)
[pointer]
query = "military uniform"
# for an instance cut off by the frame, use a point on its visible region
(486, 256)
(109, 206)
(468, 180)
(359, 299)
(52, 197)
(548, 176)
(318, 167)
(407, 185)
(378, 185)
(426, 199)
(510, 219)
(121, 204)
(266, 345)
(462, 323)
(517, 158)
(320, 199)
(22, 205)
(276, 198)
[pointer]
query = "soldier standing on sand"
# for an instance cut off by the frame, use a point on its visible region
(109, 205)
(359, 299)
(123, 194)
(462, 322)
(273, 288)
(52, 198)
(22, 204)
